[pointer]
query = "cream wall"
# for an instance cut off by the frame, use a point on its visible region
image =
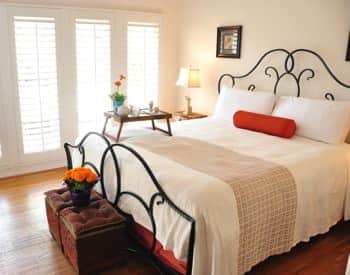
(169, 40)
(189, 36)
(321, 25)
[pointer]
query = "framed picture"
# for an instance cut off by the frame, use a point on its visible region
(348, 52)
(228, 42)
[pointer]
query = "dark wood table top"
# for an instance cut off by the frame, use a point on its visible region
(144, 115)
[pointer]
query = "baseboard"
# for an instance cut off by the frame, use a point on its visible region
(25, 169)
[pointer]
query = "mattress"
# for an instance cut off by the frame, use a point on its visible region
(320, 172)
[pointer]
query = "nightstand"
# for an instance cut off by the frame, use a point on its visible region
(183, 116)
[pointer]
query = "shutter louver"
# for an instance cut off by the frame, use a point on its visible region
(93, 60)
(35, 43)
(143, 63)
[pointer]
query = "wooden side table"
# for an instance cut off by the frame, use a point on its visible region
(183, 116)
(142, 117)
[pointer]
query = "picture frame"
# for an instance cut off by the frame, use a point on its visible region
(228, 42)
(347, 58)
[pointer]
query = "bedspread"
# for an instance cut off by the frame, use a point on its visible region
(320, 173)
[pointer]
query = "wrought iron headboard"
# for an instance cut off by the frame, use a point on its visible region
(289, 66)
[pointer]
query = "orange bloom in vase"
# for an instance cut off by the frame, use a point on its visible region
(118, 97)
(118, 83)
(80, 181)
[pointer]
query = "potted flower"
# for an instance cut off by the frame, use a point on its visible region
(80, 182)
(118, 97)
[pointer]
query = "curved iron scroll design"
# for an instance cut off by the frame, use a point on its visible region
(289, 65)
(159, 197)
(84, 162)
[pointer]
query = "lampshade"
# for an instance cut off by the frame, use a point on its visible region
(189, 78)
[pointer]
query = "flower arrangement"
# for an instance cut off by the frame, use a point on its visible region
(117, 95)
(79, 179)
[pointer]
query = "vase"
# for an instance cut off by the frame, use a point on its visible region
(123, 110)
(117, 104)
(80, 198)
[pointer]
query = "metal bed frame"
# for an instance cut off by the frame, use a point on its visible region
(289, 70)
(160, 197)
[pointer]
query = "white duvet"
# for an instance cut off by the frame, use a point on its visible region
(321, 173)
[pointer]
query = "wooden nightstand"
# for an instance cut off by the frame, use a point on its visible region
(183, 116)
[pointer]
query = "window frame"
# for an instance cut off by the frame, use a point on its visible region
(93, 15)
(56, 13)
(14, 161)
(145, 18)
(4, 129)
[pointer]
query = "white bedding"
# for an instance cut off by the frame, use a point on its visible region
(321, 173)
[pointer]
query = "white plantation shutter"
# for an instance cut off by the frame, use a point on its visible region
(93, 60)
(35, 44)
(143, 63)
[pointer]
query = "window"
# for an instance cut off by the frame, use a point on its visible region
(57, 68)
(93, 59)
(143, 63)
(35, 45)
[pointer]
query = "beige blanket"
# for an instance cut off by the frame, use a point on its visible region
(265, 192)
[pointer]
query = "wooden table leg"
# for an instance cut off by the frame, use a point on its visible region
(168, 132)
(153, 125)
(119, 131)
(105, 125)
(169, 127)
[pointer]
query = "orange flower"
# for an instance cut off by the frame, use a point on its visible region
(118, 83)
(67, 175)
(91, 177)
(79, 176)
(122, 77)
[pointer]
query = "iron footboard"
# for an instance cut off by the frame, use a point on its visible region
(158, 198)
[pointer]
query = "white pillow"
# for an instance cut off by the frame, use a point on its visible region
(232, 100)
(322, 120)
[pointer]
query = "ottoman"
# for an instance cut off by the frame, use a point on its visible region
(55, 201)
(94, 237)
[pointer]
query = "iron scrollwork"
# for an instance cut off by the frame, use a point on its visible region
(158, 198)
(80, 147)
(289, 65)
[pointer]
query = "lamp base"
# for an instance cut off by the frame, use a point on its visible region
(189, 107)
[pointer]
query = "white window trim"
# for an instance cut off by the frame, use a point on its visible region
(4, 132)
(47, 156)
(96, 15)
(13, 160)
(144, 18)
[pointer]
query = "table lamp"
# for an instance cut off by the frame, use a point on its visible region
(189, 78)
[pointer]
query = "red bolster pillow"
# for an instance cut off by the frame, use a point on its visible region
(272, 125)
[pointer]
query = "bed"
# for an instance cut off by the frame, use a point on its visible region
(195, 212)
